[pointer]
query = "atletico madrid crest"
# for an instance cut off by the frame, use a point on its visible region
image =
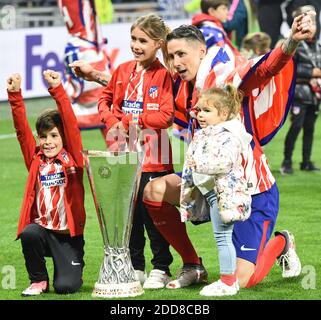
(153, 92)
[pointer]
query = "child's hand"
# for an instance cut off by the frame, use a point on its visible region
(191, 164)
(52, 77)
(14, 82)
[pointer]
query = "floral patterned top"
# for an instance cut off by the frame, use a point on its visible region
(214, 162)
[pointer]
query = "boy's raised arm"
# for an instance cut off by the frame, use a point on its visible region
(23, 130)
(71, 130)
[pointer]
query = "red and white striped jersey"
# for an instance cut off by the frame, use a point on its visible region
(50, 196)
(148, 96)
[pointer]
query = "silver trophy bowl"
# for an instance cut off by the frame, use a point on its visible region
(114, 180)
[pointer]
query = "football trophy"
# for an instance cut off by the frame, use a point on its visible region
(114, 178)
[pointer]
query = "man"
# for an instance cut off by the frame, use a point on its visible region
(256, 256)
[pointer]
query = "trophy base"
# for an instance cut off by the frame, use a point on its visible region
(117, 290)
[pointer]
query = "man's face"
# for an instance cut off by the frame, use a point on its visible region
(186, 56)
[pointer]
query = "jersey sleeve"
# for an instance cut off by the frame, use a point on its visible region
(274, 62)
(24, 133)
(105, 102)
(71, 130)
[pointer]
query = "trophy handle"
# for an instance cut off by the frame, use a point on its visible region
(133, 201)
(100, 215)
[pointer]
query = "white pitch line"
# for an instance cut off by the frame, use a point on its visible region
(10, 136)
(7, 136)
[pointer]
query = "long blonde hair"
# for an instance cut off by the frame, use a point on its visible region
(226, 98)
(156, 29)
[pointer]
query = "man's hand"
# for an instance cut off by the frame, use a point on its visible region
(304, 26)
(52, 77)
(14, 82)
(84, 70)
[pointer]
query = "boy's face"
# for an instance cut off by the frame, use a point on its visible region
(220, 13)
(208, 115)
(51, 142)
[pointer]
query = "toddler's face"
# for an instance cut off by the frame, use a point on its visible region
(208, 115)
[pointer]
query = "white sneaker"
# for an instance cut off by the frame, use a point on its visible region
(157, 279)
(289, 260)
(219, 289)
(141, 276)
(36, 288)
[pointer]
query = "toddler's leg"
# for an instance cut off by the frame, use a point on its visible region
(227, 285)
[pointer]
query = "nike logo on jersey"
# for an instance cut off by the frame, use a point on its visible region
(247, 249)
(151, 178)
(75, 263)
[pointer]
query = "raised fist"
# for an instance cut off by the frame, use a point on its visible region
(52, 77)
(14, 82)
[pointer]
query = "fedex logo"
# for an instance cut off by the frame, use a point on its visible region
(48, 61)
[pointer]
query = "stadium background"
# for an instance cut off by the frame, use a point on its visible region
(29, 51)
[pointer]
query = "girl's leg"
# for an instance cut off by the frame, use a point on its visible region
(223, 236)
(227, 285)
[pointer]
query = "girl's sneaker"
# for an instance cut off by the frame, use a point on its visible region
(219, 288)
(140, 276)
(36, 288)
(157, 279)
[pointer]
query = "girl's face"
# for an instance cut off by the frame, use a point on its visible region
(143, 47)
(208, 115)
(51, 142)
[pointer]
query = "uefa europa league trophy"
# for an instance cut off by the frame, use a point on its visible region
(114, 180)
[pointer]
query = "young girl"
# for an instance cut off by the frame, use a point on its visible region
(213, 168)
(141, 91)
(52, 217)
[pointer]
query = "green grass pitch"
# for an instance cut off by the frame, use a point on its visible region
(300, 212)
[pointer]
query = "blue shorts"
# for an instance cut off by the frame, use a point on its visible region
(179, 174)
(251, 236)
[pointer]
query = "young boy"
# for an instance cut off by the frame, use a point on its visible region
(52, 217)
(214, 13)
